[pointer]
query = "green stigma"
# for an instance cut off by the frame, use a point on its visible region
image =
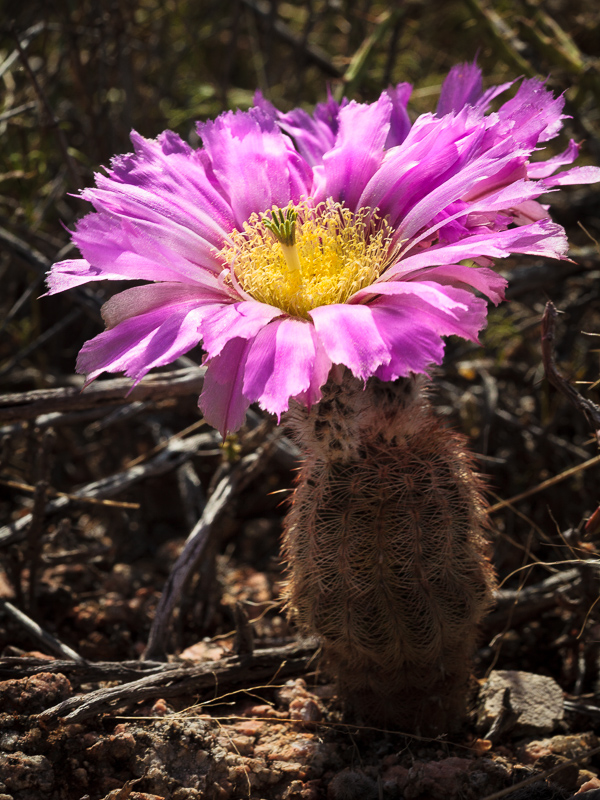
(283, 227)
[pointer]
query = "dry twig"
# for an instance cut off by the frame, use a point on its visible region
(196, 545)
(583, 404)
(176, 453)
(263, 665)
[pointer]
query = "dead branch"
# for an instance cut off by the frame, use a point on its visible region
(13, 667)
(515, 606)
(590, 410)
(46, 639)
(213, 676)
(196, 545)
(175, 453)
(160, 386)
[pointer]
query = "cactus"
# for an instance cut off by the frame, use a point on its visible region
(387, 555)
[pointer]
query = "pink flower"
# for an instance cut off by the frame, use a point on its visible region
(290, 243)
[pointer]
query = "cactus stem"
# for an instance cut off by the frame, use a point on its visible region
(387, 554)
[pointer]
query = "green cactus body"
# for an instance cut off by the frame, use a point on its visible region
(387, 553)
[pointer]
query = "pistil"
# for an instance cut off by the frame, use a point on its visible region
(283, 229)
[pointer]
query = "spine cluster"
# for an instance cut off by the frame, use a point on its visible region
(387, 553)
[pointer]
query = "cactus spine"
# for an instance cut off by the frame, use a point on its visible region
(386, 552)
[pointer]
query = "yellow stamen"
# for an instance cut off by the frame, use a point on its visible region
(309, 256)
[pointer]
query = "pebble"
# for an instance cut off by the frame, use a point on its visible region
(538, 699)
(350, 784)
(34, 694)
(20, 771)
(572, 746)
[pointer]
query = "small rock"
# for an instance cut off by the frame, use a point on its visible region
(19, 771)
(305, 709)
(161, 708)
(592, 793)
(350, 784)
(438, 780)
(260, 711)
(590, 783)
(292, 690)
(251, 727)
(32, 695)
(572, 746)
(538, 700)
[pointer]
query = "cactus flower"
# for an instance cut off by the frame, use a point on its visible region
(290, 243)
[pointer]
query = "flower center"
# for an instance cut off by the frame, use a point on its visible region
(302, 257)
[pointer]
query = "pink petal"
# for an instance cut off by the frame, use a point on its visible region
(312, 135)
(483, 279)
(542, 169)
(117, 249)
(222, 402)
(237, 320)
(254, 163)
(319, 374)
(573, 176)
(413, 346)
(140, 343)
(427, 291)
(400, 123)
(280, 364)
(165, 180)
(161, 297)
(412, 330)
(502, 200)
(459, 184)
(463, 86)
(358, 151)
(350, 337)
(542, 238)
(534, 114)
(448, 309)
(529, 211)
(461, 313)
(433, 152)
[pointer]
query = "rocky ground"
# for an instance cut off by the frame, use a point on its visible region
(144, 652)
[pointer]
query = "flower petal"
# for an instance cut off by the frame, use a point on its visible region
(542, 169)
(350, 337)
(312, 136)
(504, 200)
(462, 86)
(140, 343)
(118, 250)
(280, 364)
(412, 329)
(430, 156)
(165, 180)
(451, 310)
(544, 238)
(533, 114)
(255, 164)
(413, 345)
(155, 296)
(222, 401)
(319, 374)
(573, 176)
(358, 150)
(464, 180)
(483, 279)
(399, 121)
(237, 320)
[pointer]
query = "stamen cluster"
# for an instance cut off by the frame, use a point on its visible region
(309, 256)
